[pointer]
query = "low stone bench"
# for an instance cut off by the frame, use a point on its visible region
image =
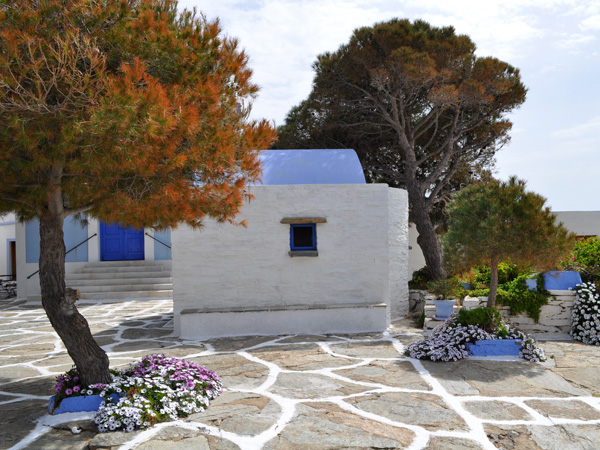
(203, 323)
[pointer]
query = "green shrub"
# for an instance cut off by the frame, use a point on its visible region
(445, 288)
(518, 297)
(585, 259)
(485, 318)
(420, 278)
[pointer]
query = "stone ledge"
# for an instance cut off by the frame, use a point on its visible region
(267, 308)
(285, 319)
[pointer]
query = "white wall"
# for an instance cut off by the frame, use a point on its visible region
(30, 288)
(398, 252)
(362, 259)
(416, 260)
(7, 234)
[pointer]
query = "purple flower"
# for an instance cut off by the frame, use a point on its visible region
(76, 388)
(68, 392)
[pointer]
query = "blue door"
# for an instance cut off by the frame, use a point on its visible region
(118, 243)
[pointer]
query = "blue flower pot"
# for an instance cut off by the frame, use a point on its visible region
(78, 403)
(443, 308)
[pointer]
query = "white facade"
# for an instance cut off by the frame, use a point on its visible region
(416, 260)
(230, 280)
(7, 245)
(28, 282)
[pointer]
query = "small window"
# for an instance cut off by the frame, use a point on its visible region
(303, 236)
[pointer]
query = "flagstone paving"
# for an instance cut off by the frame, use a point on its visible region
(303, 392)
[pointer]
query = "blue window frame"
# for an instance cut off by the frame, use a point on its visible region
(303, 236)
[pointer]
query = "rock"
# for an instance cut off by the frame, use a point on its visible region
(112, 440)
(373, 349)
(241, 413)
(496, 410)
(389, 373)
(502, 378)
(18, 419)
(235, 371)
(450, 443)
(565, 409)
(327, 426)
(313, 386)
(299, 357)
(426, 410)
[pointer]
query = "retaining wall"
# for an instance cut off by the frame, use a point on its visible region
(554, 323)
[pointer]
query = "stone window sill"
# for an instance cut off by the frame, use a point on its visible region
(312, 253)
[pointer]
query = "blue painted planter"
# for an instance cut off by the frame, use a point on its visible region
(443, 308)
(78, 404)
(561, 280)
(495, 347)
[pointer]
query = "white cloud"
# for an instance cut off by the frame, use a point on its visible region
(588, 131)
(591, 23)
(574, 42)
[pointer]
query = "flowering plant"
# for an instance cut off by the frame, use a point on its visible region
(157, 389)
(448, 342)
(585, 319)
(69, 385)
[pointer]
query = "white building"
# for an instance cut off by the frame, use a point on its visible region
(8, 247)
(108, 248)
(323, 252)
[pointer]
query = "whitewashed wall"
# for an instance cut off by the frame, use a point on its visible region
(30, 287)
(7, 234)
(363, 252)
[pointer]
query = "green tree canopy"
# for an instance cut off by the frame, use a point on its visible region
(421, 110)
(126, 110)
(494, 220)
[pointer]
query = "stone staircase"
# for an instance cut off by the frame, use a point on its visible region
(123, 279)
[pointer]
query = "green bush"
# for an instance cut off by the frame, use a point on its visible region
(518, 297)
(585, 259)
(420, 278)
(445, 288)
(485, 318)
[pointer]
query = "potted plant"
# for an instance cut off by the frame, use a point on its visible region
(445, 291)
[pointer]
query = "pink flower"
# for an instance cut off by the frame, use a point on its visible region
(76, 388)
(68, 392)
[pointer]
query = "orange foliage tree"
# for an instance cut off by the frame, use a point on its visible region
(128, 111)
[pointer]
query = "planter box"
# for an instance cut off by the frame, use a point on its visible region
(443, 308)
(562, 281)
(495, 347)
(78, 404)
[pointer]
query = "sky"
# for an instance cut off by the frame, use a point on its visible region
(555, 139)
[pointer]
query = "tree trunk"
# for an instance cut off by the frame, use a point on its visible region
(91, 361)
(493, 282)
(427, 239)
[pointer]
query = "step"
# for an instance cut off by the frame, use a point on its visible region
(112, 275)
(119, 281)
(129, 263)
(123, 288)
(119, 269)
(167, 294)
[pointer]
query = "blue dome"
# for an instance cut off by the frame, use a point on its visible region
(311, 167)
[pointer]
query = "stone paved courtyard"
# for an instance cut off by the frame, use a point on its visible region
(304, 392)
